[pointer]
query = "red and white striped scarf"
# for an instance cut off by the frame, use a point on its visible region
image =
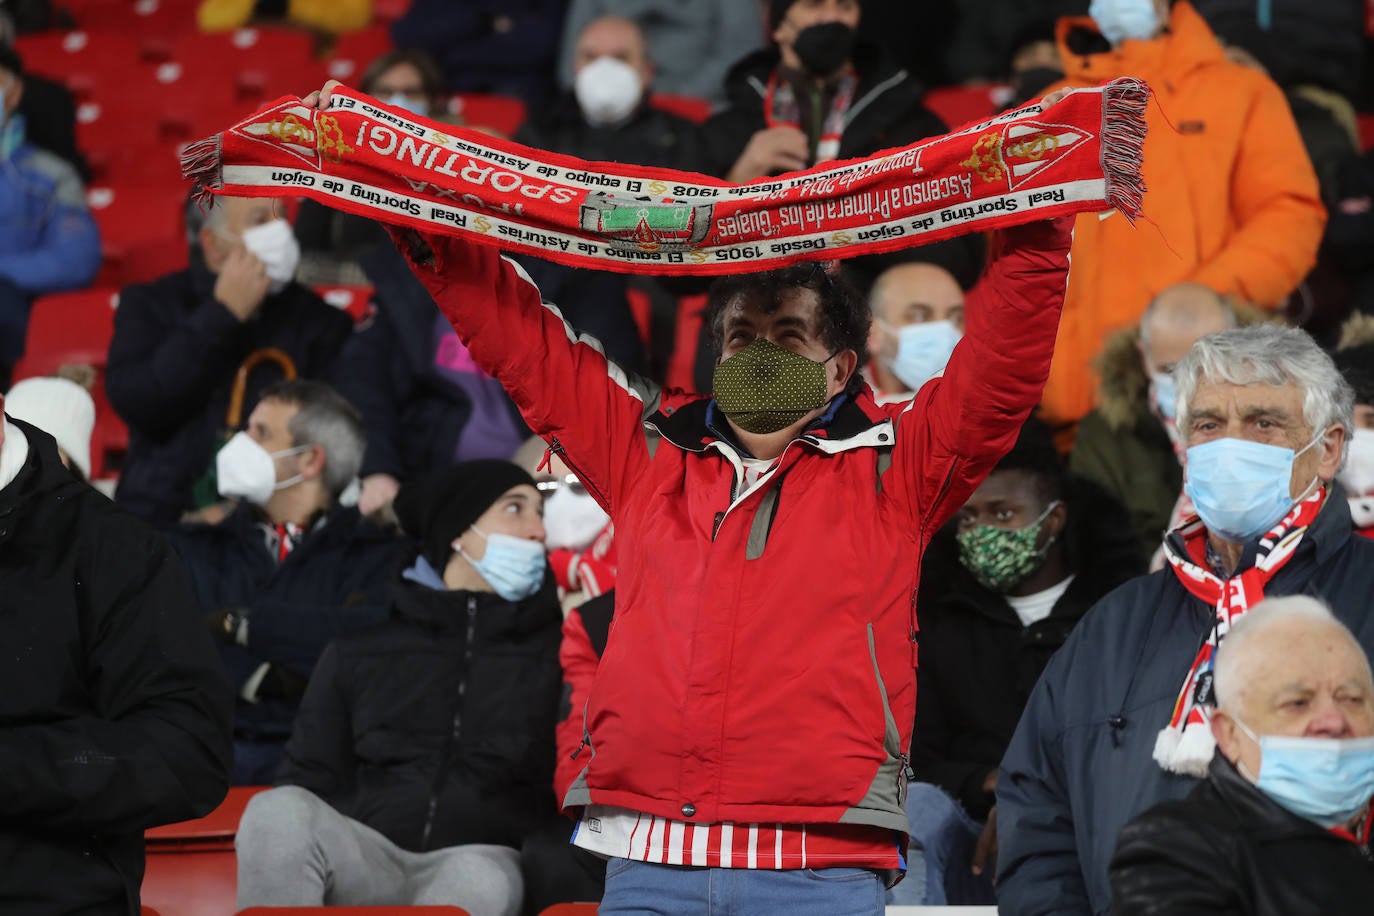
(1185, 745)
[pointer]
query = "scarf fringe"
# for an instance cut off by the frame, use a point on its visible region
(202, 163)
(1185, 751)
(1123, 143)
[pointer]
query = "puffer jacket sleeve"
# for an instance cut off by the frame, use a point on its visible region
(1275, 206)
(320, 754)
(65, 253)
(589, 409)
(958, 427)
(1167, 862)
(159, 749)
(1038, 873)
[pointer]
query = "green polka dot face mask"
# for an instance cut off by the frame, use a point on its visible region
(764, 387)
(1002, 558)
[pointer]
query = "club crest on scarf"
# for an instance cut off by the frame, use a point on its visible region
(645, 223)
(1020, 150)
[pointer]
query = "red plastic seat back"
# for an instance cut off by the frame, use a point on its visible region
(502, 113)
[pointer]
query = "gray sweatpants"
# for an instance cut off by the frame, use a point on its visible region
(295, 850)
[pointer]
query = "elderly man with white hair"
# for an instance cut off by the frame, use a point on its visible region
(1122, 717)
(1281, 823)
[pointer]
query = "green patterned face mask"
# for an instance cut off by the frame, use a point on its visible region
(764, 387)
(1002, 558)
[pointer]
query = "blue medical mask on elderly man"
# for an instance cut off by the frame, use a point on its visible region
(1240, 488)
(1120, 20)
(1329, 781)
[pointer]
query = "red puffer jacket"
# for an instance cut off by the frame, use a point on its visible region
(760, 664)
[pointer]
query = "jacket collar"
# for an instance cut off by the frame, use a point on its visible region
(1186, 44)
(1261, 816)
(747, 82)
(41, 475)
(446, 612)
(851, 421)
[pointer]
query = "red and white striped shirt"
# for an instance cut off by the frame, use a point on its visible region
(619, 833)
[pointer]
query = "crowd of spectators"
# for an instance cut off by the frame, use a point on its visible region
(340, 554)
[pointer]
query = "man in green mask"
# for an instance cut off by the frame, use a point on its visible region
(745, 741)
(1035, 547)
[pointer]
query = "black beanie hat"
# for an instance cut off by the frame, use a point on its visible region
(1357, 365)
(776, 10)
(438, 508)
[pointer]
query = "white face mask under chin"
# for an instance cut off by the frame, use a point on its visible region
(246, 470)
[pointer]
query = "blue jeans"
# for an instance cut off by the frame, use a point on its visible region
(943, 837)
(646, 889)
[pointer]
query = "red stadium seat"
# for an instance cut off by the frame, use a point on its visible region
(691, 311)
(260, 63)
(684, 106)
(132, 219)
(76, 328)
(570, 909)
(501, 113)
(958, 105)
(354, 51)
(151, 19)
(83, 61)
(192, 870)
(355, 300)
(1366, 123)
(353, 911)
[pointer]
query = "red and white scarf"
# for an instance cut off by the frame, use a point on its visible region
(1185, 745)
(780, 108)
(1082, 154)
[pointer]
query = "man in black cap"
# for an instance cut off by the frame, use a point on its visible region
(423, 752)
(819, 94)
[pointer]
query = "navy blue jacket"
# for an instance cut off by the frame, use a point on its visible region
(171, 367)
(337, 580)
(1080, 764)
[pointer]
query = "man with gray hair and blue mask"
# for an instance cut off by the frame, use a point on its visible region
(1281, 824)
(1122, 717)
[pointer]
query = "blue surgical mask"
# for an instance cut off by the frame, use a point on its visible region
(419, 108)
(1329, 781)
(1122, 19)
(1165, 394)
(1241, 488)
(513, 566)
(923, 350)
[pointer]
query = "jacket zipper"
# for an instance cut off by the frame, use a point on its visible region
(451, 739)
(557, 448)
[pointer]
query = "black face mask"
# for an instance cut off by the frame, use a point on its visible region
(824, 48)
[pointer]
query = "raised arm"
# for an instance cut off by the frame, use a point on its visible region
(958, 427)
(585, 406)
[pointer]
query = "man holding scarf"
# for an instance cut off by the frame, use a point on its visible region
(752, 712)
(1120, 720)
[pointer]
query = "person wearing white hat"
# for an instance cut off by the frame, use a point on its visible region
(63, 410)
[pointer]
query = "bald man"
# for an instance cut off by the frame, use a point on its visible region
(918, 317)
(1129, 442)
(1281, 824)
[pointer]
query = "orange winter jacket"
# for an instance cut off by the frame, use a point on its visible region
(1230, 191)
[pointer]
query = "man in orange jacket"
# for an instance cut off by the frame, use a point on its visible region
(1231, 201)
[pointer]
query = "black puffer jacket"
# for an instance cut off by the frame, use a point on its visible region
(978, 663)
(436, 727)
(886, 111)
(1228, 850)
(114, 716)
